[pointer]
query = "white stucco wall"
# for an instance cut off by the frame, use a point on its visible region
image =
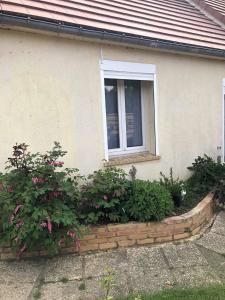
(50, 89)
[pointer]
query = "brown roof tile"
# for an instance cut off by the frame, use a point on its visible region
(213, 8)
(218, 5)
(170, 20)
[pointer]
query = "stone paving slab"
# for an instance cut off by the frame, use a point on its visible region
(215, 260)
(72, 290)
(221, 217)
(73, 277)
(97, 264)
(150, 281)
(15, 291)
(185, 255)
(93, 287)
(195, 276)
(218, 227)
(64, 267)
(59, 291)
(148, 269)
(150, 258)
(20, 272)
(213, 241)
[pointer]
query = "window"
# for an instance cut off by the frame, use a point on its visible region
(124, 114)
(129, 108)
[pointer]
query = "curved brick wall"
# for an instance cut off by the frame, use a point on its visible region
(109, 237)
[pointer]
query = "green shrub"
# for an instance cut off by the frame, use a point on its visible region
(38, 201)
(174, 186)
(220, 192)
(206, 175)
(103, 197)
(149, 201)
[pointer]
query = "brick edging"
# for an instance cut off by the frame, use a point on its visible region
(108, 237)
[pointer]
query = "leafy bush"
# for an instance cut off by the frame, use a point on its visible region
(206, 175)
(42, 204)
(220, 192)
(103, 197)
(38, 201)
(149, 201)
(174, 186)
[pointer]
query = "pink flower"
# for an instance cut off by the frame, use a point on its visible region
(19, 224)
(56, 193)
(71, 233)
(12, 217)
(17, 209)
(105, 198)
(36, 180)
(10, 189)
(56, 163)
(43, 224)
(49, 226)
(97, 206)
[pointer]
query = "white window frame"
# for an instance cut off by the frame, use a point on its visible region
(123, 127)
(126, 71)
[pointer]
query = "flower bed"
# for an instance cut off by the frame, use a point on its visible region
(46, 208)
(112, 236)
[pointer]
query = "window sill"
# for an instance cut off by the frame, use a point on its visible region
(130, 158)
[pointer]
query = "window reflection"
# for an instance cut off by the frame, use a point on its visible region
(133, 113)
(111, 96)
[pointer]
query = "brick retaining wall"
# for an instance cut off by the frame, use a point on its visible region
(112, 236)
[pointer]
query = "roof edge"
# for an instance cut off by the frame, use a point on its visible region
(209, 11)
(89, 32)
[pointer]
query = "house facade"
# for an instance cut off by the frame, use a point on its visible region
(117, 83)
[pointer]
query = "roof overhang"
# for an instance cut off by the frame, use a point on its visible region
(89, 32)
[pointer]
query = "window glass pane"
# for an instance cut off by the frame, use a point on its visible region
(112, 117)
(133, 113)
